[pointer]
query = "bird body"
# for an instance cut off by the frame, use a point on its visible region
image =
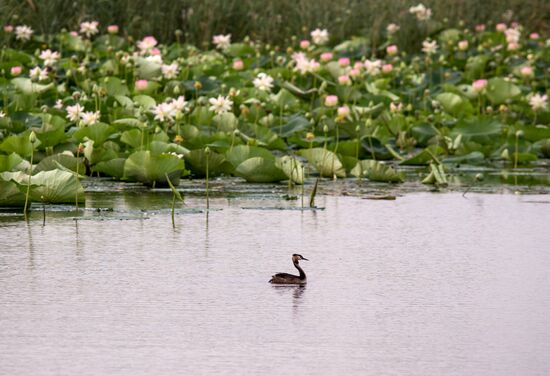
(286, 279)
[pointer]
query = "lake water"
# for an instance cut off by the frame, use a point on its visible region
(428, 284)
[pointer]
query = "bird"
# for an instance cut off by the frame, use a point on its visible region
(285, 278)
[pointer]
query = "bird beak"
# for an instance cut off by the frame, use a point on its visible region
(303, 258)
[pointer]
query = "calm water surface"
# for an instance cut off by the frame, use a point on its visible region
(429, 284)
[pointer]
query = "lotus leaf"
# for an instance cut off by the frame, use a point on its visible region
(260, 170)
(217, 164)
(98, 132)
(482, 130)
(113, 167)
(53, 187)
(376, 171)
(241, 153)
(151, 169)
(19, 144)
(325, 162)
(27, 87)
(292, 168)
(10, 162)
(68, 161)
(499, 90)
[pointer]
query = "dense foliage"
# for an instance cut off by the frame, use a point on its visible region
(95, 103)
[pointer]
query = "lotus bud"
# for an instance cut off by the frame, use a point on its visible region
(207, 150)
(178, 33)
(32, 137)
(176, 90)
(197, 85)
(325, 128)
(479, 177)
(519, 134)
(158, 129)
(310, 136)
(44, 108)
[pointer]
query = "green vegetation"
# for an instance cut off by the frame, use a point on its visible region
(93, 103)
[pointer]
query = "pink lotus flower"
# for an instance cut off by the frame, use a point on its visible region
(358, 65)
(387, 68)
(343, 111)
(112, 29)
(526, 71)
(480, 28)
(391, 50)
(73, 34)
(354, 72)
(8, 29)
(343, 62)
(304, 44)
(16, 71)
(331, 100)
(238, 65)
(479, 85)
(155, 52)
(513, 46)
(141, 84)
(147, 43)
(344, 80)
(326, 56)
(501, 27)
(534, 36)
(463, 45)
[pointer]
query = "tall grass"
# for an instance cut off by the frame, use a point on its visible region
(273, 21)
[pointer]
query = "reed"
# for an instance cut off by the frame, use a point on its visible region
(270, 21)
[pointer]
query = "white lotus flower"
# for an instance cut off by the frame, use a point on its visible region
(220, 105)
(263, 82)
(50, 57)
(90, 117)
(179, 104)
(164, 112)
(170, 71)
(73, 112)
(319, 36)
(429, 47)
(421, 12)
(38, 74)
(373, 67)
(538, 101)
(222, 42)
(89, 28)
(23, 32)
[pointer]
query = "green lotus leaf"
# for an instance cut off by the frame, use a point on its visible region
(240, 153)
(423, 133)
(292, 168)
(226, 122)
(10, 195)
(145, 101)
(10, 162)
(285, 99)
(295, 124)
(52, 131)
(376, 171)
(129, 122)
(375, 148)
(68, 161)
(455, 104)
(147, 69)
(27, 87)
(424, 157)
(19, 144)
(482, 130)
(151, 169)
(98, 132)
(239, 50)
(53, 187)
(133, 137)
(260, 170)
(201, 116)
(325, 162)
(217, 164)
(475, 66)
(475, 157)
(113, 167)
(124, 101)
(499, 90)
(115, 86)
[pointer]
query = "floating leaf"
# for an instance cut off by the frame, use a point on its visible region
(376, 171)
(325, 162)
(260, 170)
(151, 169)
(292, 168)
(499, 90)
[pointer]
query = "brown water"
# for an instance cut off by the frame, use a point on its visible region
(429, 284)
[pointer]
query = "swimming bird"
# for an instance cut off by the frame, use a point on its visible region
(285, 278)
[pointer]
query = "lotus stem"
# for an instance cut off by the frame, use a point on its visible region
(303, 184)
(313, 194)
(32, 140)
(207, 152)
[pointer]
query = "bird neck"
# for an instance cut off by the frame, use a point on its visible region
(302, 274)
